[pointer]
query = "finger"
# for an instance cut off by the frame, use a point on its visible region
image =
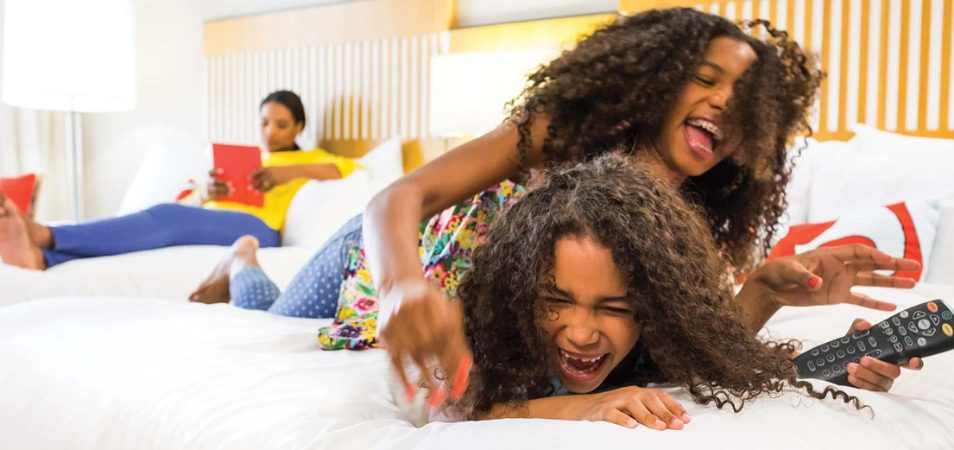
(661, 410)
(792, 272)
(913, 364)
(638, 411)
(858, 325)
(862, 384)
(456, 357)
(867, 378)
(877, 279)
(865, 301)
(620, 418)
(893, 264)
(397, 361)
(675, 407)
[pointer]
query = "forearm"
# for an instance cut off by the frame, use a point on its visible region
(757, 302)
(559, 407)
(391, 226)
(322, 171)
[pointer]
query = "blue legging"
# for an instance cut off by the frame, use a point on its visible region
(314, 290)
(162, 225)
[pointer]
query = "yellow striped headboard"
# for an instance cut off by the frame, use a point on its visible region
(888, 61)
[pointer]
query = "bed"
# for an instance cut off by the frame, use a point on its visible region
(106, 372)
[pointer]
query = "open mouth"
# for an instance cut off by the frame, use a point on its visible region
(702, 136)
(582, 368)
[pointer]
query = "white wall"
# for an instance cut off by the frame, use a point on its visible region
(482, 12)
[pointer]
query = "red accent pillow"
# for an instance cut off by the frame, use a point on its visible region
(902, 230)
(20, 190)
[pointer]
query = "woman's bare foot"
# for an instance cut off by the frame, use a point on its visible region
(215, 289)
(16, 248)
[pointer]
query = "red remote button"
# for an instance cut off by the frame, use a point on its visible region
(932, 307)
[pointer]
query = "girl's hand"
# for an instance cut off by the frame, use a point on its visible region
(825, 276)
(216, 187)
(427, 330)
(873, 374)
(266, 178)
(633, 405)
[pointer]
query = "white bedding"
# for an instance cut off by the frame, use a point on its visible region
(103, 373)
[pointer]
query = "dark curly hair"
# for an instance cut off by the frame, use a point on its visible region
(691, 332)
(614, 88)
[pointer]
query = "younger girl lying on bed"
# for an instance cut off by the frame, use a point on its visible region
(598, 282)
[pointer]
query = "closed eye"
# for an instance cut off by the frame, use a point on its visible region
(708, 82)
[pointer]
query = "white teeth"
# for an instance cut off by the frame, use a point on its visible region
(708, 126)
(567, 355)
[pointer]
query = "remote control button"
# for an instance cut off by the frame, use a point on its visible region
(851, 350)
(947, 329)
(908, 341)
(861, 334)
(836, 369)
(840, 354)
(834, 344)
(929, 332)
(872, 341)
(902, 331)
(820, 362)
(918, 314)
(935, 319)
(811, 366)
(861, 345)
(845, 340)
(857, 359)
(896, 321)
(825, 348)
(826, 373)
(947, 315)
(874, 353)
(904, 314)
(830, 358)
(898, 347)
(893, 338)
(932, 306)
(923, 324)
(814, 352)
(890, 331)
(913, 327)
(922, 342)
(884, 324)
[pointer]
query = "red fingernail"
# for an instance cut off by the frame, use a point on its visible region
(460, 378)
(409, 391)
(437, 397)
(813, 282)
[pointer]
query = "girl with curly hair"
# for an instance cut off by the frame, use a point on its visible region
(699, 100)
(597, 282)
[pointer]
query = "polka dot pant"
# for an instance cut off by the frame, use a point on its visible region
(313, 293)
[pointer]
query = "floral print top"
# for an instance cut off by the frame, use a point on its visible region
(447, 242)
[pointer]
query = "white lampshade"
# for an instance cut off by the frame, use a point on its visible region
(69, 55)
(469, 90)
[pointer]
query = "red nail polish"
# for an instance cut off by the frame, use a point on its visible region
(460, 378)
(437, 397)
(813, 282)
(409, 392)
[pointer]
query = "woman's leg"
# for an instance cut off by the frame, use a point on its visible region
(160, 226)
(215, 289)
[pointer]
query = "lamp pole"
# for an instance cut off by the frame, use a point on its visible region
(74, 145)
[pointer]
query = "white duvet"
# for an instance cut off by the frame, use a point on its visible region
(105, 373)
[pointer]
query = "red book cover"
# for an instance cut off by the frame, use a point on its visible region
(235, 164)
(19, 190)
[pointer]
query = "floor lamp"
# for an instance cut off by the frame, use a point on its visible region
(75, 56)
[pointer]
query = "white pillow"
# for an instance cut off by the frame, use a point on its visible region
(880, 169)
(165, 171)
(941, 269)
(385, 162)
(320, 208)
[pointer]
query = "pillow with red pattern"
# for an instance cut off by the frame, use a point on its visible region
(902, 230)
(21, 190)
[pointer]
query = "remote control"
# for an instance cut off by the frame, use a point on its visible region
(923, 330)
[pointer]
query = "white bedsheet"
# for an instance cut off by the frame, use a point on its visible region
(104, 373)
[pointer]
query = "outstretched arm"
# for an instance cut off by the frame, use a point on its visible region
(266, 178)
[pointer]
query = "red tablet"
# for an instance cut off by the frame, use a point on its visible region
(20, 191)
(236, 164)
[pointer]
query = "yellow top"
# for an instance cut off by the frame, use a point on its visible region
(279, 198)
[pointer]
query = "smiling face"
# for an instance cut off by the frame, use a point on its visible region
(278, 128)
(590, 321)
(692, 139)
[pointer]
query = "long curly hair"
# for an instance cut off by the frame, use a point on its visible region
(691, 332)
(614, 90)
